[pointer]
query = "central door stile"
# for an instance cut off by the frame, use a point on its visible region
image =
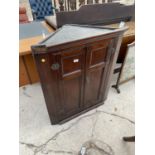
(83, 78)
(60, 83)
(88, 55)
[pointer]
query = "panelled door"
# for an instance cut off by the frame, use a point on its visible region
(80, 76)
(71, 79)
(97, 57)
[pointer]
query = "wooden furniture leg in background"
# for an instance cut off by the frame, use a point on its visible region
(117, 88)
(129, 139)
(117, 70)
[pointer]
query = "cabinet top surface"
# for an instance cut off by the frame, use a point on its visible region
(69, 33)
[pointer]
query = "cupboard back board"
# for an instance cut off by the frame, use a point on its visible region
(75, 65)
(95, 14)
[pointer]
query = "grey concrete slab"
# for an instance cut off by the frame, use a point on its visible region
(99, 130)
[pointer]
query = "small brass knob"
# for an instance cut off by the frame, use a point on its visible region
(43, 60)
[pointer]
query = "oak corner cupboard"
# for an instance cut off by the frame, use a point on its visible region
(75, 65)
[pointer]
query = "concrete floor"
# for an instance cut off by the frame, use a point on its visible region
(99, 130)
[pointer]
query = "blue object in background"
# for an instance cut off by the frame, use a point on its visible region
(41, 8)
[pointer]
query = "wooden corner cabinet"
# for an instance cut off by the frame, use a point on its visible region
(75, 65)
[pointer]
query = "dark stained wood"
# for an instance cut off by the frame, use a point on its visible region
(75, 76)
(50, 87)
(72, 63)
(71, 85)
(96, 64)
(113, 59)
(129, 139)
(96, 14)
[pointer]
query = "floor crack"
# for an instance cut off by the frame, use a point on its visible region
(39, 148)
(32, 147)
(94, 125)
(58, 151)
(122, 117)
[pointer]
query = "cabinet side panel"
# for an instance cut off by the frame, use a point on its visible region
(112, 62)
(49, 85)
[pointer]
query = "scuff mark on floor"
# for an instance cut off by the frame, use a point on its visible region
(25, 92)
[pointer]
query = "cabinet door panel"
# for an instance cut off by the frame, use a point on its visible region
(71, 78)
(96, 64)
(98, 56)
(92, 89)
(72, 90)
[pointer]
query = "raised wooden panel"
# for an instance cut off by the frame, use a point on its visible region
(72, 90)
(98, 56)
(72, 63)
(92, 88)
(99, 44)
